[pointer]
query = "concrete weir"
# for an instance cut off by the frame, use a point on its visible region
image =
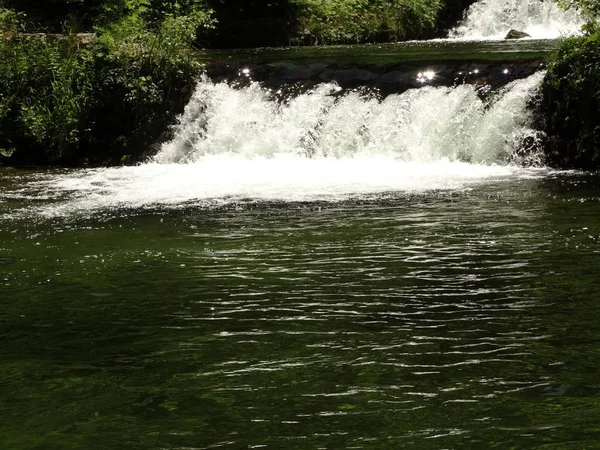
(389, 68)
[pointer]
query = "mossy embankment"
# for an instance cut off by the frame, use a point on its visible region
(66, 105)
(570, 107)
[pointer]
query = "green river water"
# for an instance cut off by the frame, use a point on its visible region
(449, 319)
(441, 50)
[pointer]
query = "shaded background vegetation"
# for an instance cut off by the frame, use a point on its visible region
(251, 23)
(62, 102)
(570, 109)
(571, 104)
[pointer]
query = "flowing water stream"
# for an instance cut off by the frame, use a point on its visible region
(334, 269)
(541, 19)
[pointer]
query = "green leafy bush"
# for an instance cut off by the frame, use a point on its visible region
(347, 21)
(61, 103)
(46, 92)
(570, 111)
(571, 103)
(10, 21)
(146, 76)
(589, 8)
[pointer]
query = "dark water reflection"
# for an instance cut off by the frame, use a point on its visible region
(446, 320)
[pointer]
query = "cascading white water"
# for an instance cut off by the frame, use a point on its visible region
(419, 125)
(542, 19)
(235, 144)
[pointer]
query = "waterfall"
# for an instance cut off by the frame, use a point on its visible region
(419, 125)
(492, 19)
(247, 144)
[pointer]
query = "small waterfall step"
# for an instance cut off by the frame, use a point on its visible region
(540, 19)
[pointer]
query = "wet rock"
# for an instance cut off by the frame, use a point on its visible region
(327, 75)
(289, 78)
(298, 73)
(515, 34)
(357, 75)
(396, 76)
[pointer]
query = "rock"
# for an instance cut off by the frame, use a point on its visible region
(397, 76)
(357, 75)
(515, 34)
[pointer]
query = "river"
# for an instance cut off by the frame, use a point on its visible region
(330, 269)
(445, 318)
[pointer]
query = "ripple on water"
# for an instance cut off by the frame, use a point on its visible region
(415, 321)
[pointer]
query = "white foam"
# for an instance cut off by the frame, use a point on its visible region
(222, 179)
(241, 145)
(541, 19)
(419, 125)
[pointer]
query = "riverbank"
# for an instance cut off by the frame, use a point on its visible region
(103, 103)
(569, 112)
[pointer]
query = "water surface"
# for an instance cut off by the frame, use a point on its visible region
(460, 317)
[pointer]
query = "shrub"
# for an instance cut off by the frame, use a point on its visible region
(10, 21)
(46, 91)
(147, 77)
(63, 104)
(352, 21)
(571, 103)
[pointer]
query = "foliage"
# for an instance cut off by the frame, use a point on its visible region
(251, 23)
(589, 8)
(44, 97)
(334, 21)
(56, 16)
(82, 15)
(60, 103)
(344, 21)
(168, 44)
(571, 102)
(571, 95)
(146, 76)
(247, 23)
(10, 21)
(156, 11)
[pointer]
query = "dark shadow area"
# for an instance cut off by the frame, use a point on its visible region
(251, 23)
(58, 16)
(454, 11)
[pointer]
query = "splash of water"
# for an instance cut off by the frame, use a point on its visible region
(541, 19)
(238, 145)
(419, 125)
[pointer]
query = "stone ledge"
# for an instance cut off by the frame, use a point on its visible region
(387, 79)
